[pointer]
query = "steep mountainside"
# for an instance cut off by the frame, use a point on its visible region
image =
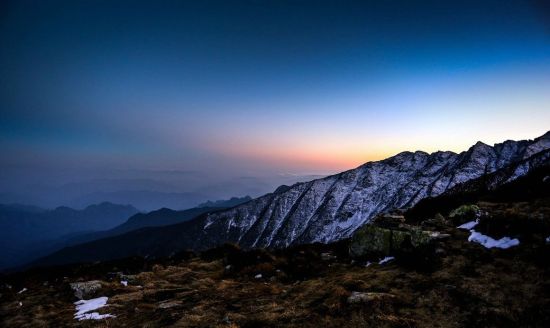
(333, 208)
(327, 209)
(495, 187)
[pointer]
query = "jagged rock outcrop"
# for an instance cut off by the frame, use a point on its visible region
(332, 208)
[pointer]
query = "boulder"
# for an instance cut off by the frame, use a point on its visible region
(361, 297)
(86, 289)
(169, 304)
(370, 239)
(465, 213)
(375, 240)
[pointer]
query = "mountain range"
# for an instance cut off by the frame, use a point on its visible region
(332, 208)
(327, 209)
(30, 232)
(25, 230)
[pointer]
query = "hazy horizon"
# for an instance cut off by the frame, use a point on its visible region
(172, 189)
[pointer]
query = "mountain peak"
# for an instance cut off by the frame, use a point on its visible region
(544, 136)
(480, 148)
(480, 144)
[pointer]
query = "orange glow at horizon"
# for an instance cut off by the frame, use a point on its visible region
(315, 158)
(332, 155)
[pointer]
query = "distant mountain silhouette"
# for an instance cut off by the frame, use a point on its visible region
(158, 218)
(23, 226)
(37, 246)
(145, 200)
(233, 201)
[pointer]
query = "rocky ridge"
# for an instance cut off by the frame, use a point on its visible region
(332, 208)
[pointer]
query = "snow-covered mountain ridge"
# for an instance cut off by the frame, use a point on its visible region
(332, 208)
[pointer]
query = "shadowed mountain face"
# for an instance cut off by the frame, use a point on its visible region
(159, 218)
(38, 239)
(23, 226)
(327, 209)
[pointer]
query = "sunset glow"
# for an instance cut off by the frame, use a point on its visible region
(255, 89)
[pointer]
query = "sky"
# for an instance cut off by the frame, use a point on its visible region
(273, 90)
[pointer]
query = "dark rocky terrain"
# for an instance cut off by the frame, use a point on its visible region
(448, 281)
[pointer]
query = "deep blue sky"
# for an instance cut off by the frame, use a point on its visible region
(245, 88)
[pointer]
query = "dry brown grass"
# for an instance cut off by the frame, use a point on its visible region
(472, 287)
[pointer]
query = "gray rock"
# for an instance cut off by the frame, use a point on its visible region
(87, 289)
(360, 297)
(372, 239)
(169, 304)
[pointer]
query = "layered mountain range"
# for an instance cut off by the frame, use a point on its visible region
(27, 232)
(327, 209)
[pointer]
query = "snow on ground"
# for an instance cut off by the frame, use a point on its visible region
(386, 259)
(548, 239)
(22, 291)
(124, 282)
(488, 242)
(258, 276)
(83, 308)
(468, 225)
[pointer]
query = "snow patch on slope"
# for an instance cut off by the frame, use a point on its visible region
(488, 242)
(84, 308)
(468, 225)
